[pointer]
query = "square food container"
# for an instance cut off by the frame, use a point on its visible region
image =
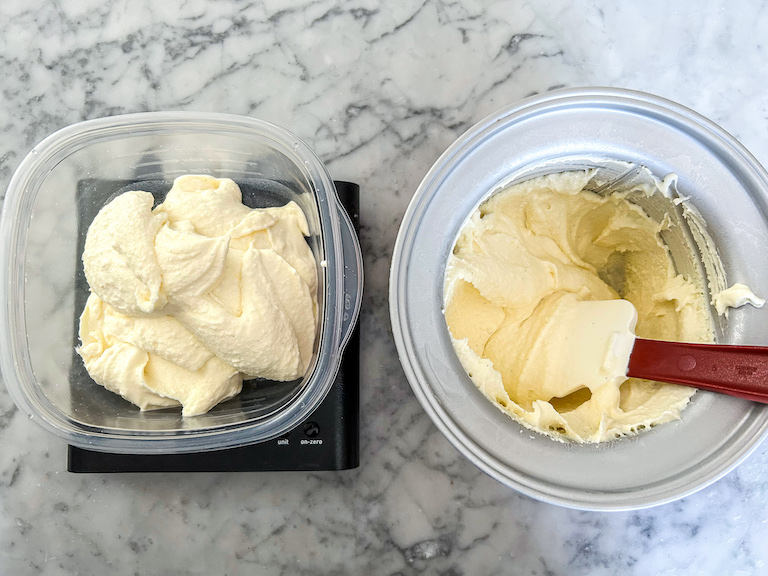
(51, 200)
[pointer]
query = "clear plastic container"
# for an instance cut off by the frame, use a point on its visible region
(51, 200)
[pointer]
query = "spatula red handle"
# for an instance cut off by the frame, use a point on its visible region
(740, 371)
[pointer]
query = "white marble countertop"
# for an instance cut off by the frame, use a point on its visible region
(379, 90)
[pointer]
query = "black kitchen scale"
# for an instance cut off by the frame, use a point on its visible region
(327, 440)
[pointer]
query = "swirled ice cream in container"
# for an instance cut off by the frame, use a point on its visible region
(667, 167)
(52, 200)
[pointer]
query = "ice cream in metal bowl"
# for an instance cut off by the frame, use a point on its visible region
(580, 131)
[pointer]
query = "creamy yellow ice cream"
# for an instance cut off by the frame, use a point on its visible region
(523, 263)
(734, 297)
(191, 296)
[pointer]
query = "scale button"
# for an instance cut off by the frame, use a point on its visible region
(311, 429)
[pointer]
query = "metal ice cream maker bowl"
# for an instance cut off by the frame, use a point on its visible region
(566, 130)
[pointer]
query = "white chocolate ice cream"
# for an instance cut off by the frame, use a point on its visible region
(525, 261)
(191, 296)
(734, 297)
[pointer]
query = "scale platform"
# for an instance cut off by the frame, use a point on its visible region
(328, 440)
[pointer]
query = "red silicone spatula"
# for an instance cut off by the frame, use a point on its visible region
(740, 371)
(601, 346)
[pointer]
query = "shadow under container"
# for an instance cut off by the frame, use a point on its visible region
(52, 199)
